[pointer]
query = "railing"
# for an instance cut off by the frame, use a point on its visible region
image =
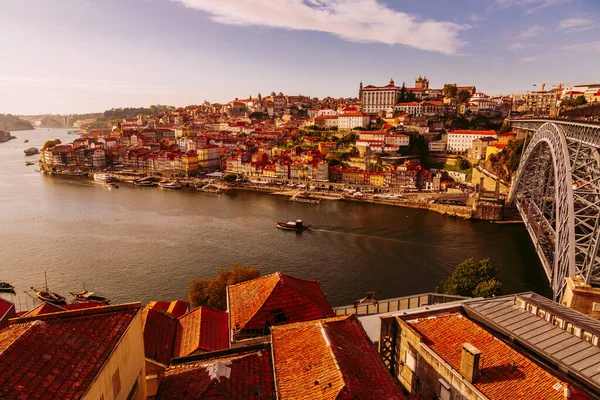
(397, 304)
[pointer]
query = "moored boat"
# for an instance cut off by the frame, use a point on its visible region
(85, 296)
(169, 185)
(297, 225)
(301, 197)
(110, 185)
(210, 188)
(102, 177)
(6, 287)
(25, 141)
(48, 296)
(29, 163)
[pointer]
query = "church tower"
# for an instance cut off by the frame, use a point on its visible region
(360, 90)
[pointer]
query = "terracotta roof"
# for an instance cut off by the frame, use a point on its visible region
(202, 329)
(159, 335)
(505, 372)
(167, 337)
(240, 376)
(329, 359)
(468, 132)
(175, 308)
(58, 356)
(251, 303)
(7, 310)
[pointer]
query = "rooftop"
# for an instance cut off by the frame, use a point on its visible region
(59, 355)
(328, 359)
(251, 303)
(562, 339)
(167, 337)
(503, 369)
(242, 375)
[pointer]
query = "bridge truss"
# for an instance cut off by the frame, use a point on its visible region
(557, 192)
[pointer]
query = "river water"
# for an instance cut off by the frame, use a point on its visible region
(142, 244)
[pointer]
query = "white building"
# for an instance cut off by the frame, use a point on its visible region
(397, 139)
(459, 141)
(378, 98)
(483, 102)
(353, 120)
(327, 121)
(326, 111)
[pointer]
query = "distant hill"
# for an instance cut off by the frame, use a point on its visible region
(10, 122)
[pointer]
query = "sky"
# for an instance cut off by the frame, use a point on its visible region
(77, 56)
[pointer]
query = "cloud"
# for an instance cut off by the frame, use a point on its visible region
(475, 18)
(590, 47)
(576, 24)
(367, 21)
(530, 32)
(527, 59)
(532, 5)
(520, 46)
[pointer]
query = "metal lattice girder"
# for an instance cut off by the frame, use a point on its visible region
(557, 192)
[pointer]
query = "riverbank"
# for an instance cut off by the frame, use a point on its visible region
(423, 201)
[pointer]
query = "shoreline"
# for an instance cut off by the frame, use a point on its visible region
(452, 211)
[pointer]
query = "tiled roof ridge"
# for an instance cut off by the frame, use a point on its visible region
(323, 329)
(255, 279)
(77, 313)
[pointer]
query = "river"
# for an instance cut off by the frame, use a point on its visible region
(142, 244)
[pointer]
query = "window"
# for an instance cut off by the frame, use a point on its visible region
(411, 363)
(577, 331)
(596, 306)
(444, 389)
(279, 316)
(569, 327)
(116, 382)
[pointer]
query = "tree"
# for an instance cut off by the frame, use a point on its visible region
(450, 90)
(51, 143)
(410, 97)
(213, 292)
(472, 279)
(580, 100)
(229, 178)
(505, 126)
(463, 164)
(463, 96)
(403, 92)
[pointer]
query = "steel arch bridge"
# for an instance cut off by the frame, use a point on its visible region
(557, 192)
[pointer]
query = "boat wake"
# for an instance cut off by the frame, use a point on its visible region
(377, 237)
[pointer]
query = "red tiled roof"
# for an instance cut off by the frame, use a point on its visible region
(159, 335)
(202, 329)
(167, 337)
(7, 310)
(239, 376)
(329, 359)
(251, 302)
(506, 373)
(468, 132)
(174, 308)
(59, 356)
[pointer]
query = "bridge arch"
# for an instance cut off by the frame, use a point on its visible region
(557, 191)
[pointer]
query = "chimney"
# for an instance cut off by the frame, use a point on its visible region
(469, 362)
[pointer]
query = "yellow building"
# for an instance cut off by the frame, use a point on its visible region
(377, 179)
(494, 148)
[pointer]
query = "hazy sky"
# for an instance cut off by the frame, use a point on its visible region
(74, 56)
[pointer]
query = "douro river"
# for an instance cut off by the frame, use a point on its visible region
(142, 244)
